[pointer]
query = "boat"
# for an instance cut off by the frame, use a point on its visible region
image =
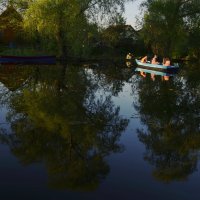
(157, 66)
(27, 59)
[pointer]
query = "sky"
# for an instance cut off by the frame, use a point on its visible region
(131, 11)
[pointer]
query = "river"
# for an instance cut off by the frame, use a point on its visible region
(99, 131)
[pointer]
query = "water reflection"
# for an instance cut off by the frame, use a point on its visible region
(170, 111)
(68, 117)
(112, 78)
(163, 75)
(57, 118)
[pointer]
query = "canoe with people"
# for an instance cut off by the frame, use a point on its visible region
(154, 63)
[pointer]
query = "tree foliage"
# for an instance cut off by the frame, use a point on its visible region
(66, 23)
(166, 24)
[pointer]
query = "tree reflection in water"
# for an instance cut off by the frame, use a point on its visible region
(170, 110)
(57, 119)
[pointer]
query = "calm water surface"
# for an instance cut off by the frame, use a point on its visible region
(99, 132)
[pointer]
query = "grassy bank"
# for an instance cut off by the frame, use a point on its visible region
(22, 52)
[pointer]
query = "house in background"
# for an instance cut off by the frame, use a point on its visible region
(120, 38)
(10, 26)
(115, 33)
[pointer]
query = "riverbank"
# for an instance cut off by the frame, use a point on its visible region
(5, 51)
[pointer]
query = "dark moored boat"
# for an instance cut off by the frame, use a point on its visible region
(157, 67)
(27, 59)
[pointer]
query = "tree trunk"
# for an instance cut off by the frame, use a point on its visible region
(61, 42)
(62, 48)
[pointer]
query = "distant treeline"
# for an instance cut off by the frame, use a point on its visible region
(172, 27)
(72, 28)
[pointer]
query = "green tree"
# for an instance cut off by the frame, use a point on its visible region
(164, 25)
(66, 21)
(193, 27)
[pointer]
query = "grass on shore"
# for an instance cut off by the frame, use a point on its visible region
(22, 52)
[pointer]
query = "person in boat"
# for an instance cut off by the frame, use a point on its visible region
(166, 62)
(144, 59)
(147, 58)
(155, 60)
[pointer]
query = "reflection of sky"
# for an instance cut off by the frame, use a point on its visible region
(3, 110)
(3, 122)
(131, 11)
(2, 114)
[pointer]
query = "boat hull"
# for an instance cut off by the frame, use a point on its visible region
(27, 59)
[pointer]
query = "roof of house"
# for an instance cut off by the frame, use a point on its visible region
(121, 28)
(9, 17)
(123, 31)
(10, 10)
